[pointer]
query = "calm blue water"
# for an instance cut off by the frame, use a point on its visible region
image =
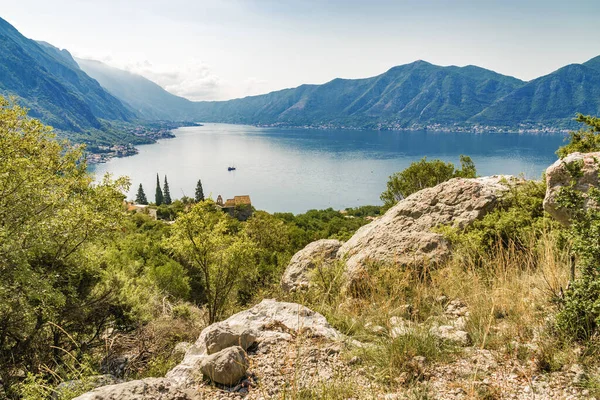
(298, 169)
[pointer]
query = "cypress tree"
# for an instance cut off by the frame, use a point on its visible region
(140, 197)
(158, 197)
(166, 192)
(199, 191)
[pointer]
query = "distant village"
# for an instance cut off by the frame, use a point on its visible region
(102, 154)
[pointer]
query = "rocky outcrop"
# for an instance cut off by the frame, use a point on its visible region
(405, 234)
(226, 367)
(577, 170)
(268, 320)
(296, 274)
(220, 352)
(144, 389)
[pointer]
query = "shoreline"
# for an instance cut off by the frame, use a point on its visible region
(128, 150)
(106, 153)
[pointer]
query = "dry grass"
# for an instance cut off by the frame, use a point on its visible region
(511, 293)
(150, 348)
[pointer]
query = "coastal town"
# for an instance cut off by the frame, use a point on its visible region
(149, 133)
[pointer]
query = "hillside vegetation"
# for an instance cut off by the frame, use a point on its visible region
(84, 284)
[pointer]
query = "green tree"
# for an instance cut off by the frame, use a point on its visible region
(140, 197)
(583, 140)
(199, 192)
(272, 251)
(205, 241)
(158, 196)
(423, 174)
(166, 192)
(51, 217)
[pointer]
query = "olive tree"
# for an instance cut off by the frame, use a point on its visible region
(205, 240)
(50, 215)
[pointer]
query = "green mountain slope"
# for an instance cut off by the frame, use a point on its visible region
(146, 98)
(50, 83)
(553, 99)
(414, 94)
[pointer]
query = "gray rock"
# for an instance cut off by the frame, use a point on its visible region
(400, 327)
(404, 235)
(79, 385)
(456, 309)
(221, 336)
(296, 275)
(145, 389)
(558, 176)
(451, 334)
(226, 367)
(181, 347)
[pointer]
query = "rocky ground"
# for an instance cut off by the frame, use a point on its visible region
(292, 352)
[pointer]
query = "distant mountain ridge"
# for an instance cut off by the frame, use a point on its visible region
(85, 96)
(419, 93)
(50, 83)
(412, 96)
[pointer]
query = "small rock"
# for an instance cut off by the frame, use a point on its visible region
(355, 360)
(451, 334)
(400, 327)
(226, 367)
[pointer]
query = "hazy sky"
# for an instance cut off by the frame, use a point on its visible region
(220, 49)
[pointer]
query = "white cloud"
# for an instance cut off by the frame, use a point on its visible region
(194, 81)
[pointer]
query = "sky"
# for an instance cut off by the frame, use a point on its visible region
(223, 49)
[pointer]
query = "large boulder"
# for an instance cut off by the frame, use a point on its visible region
(578, 169)
(296, 274)
(405, 235)
(268, 320)
(144, 389)
(226, 367)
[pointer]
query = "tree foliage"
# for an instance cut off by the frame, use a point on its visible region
(199, 196)
(583, 140)
(158, 194)
(206, 240)
(580, 316)
(50, 215)
(166, 193)
(423, 174)
(140, 197)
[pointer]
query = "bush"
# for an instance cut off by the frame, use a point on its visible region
(519, 219)
(580, 317)
(583, 141)
(423, 174)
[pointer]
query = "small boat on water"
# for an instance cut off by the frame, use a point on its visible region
(230, 168)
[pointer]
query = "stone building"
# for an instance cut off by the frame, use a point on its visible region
(239, 207)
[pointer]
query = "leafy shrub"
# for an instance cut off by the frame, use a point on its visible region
(583, 141)
(519, 219)
(423, 174)
(580, 316)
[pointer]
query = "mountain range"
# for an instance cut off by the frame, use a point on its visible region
(93, 99)
(411, 96)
